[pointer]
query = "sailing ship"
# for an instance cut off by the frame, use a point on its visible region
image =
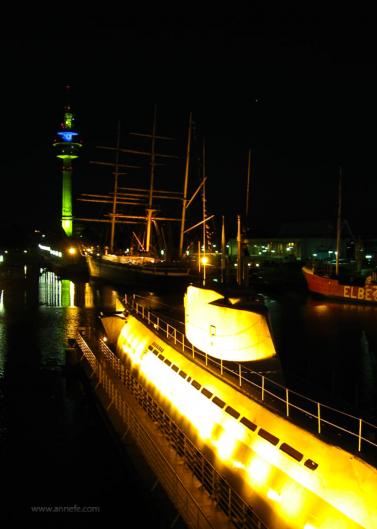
(149, 259)
(350, 286)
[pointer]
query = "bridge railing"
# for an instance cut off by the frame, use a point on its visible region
(115, 377)
(350, 432)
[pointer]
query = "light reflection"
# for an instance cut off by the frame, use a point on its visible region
(294, 491)
(292, 500)
(258, 470)
(2, 336)
(321, 308)
(88, 296)
(57, 292)
(273, 495)
(65, 293)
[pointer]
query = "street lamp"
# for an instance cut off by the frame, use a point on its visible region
(204, 263)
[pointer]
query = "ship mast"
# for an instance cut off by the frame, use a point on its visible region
(135, 196)
(248, 187)
(222, 249)
(245, 273)
(150, 210)
(338, 222)
(184, 203)
(204, 202)
(115, 196)
(239, 257)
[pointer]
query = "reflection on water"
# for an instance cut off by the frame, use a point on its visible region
(2, 335)
(39, 311)
(328, 350)
(57, 292)
(54, 448)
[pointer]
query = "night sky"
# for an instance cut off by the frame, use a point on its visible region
(297, 87)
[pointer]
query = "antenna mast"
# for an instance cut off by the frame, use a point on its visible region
(184, 203)
(248, 187)
(115, 197)
(339, 222)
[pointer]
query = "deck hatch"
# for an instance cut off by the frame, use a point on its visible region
(268, 436)
(234, 413)
(311, 464)
(284, 447)
(195, 384)
(207, 393)
(249, 424)
(218, 402)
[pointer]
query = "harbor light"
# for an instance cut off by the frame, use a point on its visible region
(204, 261)
(273, 495)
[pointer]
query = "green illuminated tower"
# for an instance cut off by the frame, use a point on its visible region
(67, 146)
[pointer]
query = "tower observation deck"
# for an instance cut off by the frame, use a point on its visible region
(67, 146)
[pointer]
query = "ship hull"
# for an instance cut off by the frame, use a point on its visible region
(65, 267)
(138, 275)
(314, 483)
(331, 288)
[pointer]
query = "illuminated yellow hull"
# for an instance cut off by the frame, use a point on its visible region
(292, 479)
(226, 331)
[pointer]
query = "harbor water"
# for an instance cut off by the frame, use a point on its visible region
(327, 350)
(60, 464)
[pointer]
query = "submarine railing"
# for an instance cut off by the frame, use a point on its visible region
(355, 434)
(227, 508)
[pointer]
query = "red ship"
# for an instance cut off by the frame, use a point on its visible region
(331, 287)
(352, 287)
